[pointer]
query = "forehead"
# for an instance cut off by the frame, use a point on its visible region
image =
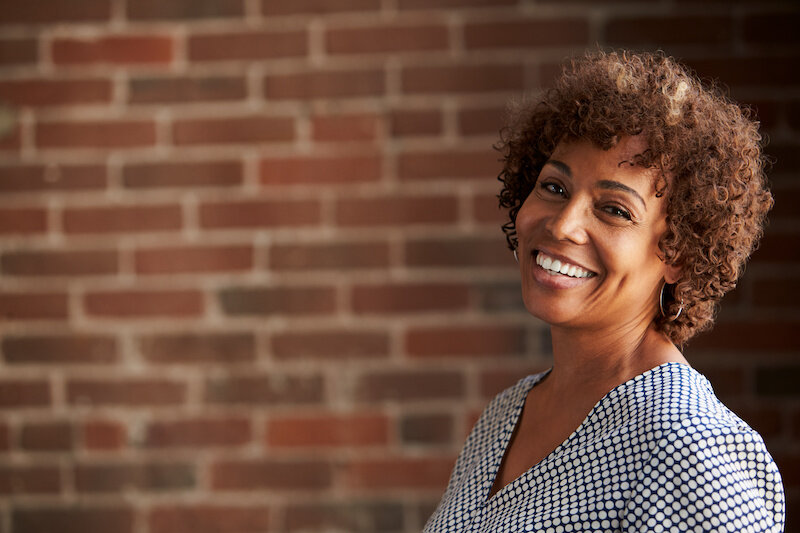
(619, 163)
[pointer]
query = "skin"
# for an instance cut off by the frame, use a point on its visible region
(596, 210)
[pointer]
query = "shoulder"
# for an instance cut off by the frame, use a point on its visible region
(706, 467)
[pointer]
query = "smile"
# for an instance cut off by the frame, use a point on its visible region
(554, 266)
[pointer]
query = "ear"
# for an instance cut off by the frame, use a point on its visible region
(672, 273)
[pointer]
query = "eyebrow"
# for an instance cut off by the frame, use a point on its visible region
(603, 184)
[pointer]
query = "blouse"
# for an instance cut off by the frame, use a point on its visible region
(658, 453)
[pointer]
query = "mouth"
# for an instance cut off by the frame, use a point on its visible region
(555, 266)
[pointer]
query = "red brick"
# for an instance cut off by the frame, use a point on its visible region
(409, 385)
(320, 170)
(18, 51)
(11, 138)
(53, 11)
(462, 252)
(180, 259)
(398, 473)
(32, 178)
(767, 71)
(776, 292)
(122, 219)
(469, 340)
(356, 516)
(772, 336)
(60, 349)
(96, 134)
(198, 433)
(481, 121)
(119, 477)
(144, 303)
(22, 220)
(209, 518)
(275, 389)
(104, 435)
(775, 247)
(33, 306)
(16, 393)
(349, 127)
(186, 89)
(59, 263)
(446, 79)
(225, 348)
(248, 45)
(113, 50)
(184, 10)
(324, 84)
(676, 30)
(233, 130)
(386, 38)
(330, 344)
(409, 298)
(450, 4)
(49, 92)
(182, 174)
(259, 213)
(271, 475)
(317, 7)
(771, 28)
(396, 211)
(410, 122)
(328, 430)
(427, 428)
(480, 164)
(35, 479)
(47, 437)
(338, 256)
(130, 392)
(536, 33)
(278, 300)
(486, 208)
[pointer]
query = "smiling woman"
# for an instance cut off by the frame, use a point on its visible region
(635, 196)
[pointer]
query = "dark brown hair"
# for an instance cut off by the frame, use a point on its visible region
(717, 196)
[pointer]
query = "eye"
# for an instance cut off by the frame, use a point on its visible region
(617, 212)
(552, 188)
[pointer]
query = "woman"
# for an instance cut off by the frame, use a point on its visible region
(635, 196)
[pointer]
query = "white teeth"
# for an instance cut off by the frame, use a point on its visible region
(557, 267)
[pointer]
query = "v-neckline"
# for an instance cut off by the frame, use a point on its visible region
(492, 499)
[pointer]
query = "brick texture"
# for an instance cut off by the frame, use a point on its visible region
(252, 276)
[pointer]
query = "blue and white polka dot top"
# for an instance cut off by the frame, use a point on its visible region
(659, 453)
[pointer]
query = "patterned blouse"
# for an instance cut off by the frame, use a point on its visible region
(658, 453)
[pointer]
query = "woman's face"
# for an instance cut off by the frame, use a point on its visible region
(595, 218)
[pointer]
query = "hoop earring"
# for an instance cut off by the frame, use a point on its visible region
(661, 306)
(516, 258)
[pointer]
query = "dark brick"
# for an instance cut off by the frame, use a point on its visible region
(280, 300)
(271, 475)
(117, 477)
(778, 380)
(265, 390)
(409, 385)
(198, 348)
(47, 437)
(355, 517)
(60, 349)
(53, 11)
(177, 90)
(59, 263)
(184, 9)
(426, 428)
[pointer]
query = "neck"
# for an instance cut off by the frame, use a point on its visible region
(597, 361)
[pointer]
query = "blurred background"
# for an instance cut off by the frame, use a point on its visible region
(251, 272)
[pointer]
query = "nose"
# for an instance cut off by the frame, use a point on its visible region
(569, 222)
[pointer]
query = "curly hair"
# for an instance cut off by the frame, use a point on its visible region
(706, 151)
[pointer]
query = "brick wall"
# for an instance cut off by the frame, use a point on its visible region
(251, 274)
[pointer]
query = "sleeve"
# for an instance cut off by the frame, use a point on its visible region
(707, 479)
